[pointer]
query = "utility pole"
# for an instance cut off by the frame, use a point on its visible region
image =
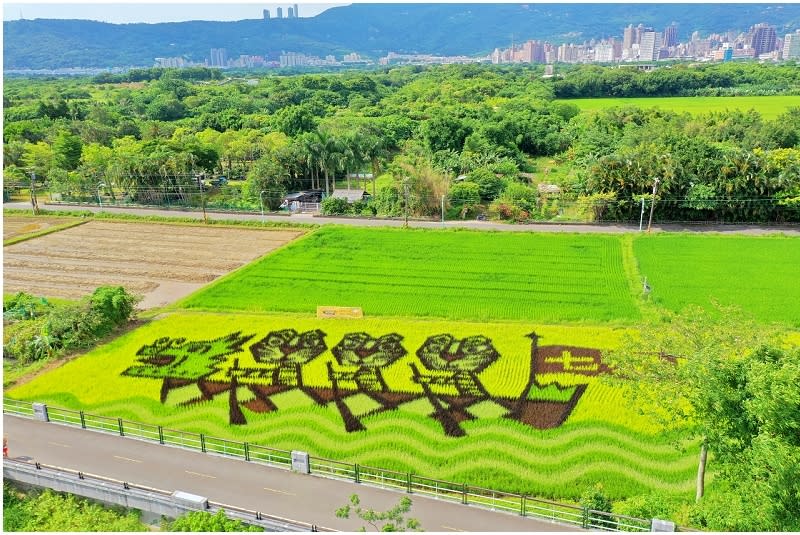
(34, 200)
(652, 205)
(442, 209)
(405, 195)
(641, 215)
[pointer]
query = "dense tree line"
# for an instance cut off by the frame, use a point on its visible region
(474, 134)
(678, 80)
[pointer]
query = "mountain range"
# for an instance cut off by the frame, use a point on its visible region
(372, 30)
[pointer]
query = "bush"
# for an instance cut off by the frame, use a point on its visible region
(111, 306)
(521, 196)
(52, 511)
(489, 184)
(388, 202)
(594, 499)
(206, 522)
(72, 326)
(507, 212)
(654, 505)
(334, 206)
(24, 306)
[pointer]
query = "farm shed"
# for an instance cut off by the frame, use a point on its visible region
(352, 195)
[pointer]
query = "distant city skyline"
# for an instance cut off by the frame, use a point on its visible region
(153, 12)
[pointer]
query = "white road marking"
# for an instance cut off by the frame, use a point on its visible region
(127, 459)
(280, 491)
(59, 444)
(452, 528)
(199, 474)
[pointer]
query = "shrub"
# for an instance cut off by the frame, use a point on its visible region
(594, 499)
(334, 206)
(489, 184)
(65, 327)
(112, 306)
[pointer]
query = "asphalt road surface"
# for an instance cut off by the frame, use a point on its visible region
(251, 486)
(792, 230)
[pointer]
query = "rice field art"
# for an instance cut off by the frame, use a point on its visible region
(515, 406)
(446, 376)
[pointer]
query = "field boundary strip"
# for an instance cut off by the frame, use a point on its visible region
(181, 303)
(409, 483)
(49, 230)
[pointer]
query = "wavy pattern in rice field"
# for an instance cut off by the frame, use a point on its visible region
(554, 463)
(458, 275)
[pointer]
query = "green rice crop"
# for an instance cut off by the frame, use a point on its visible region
(457, 275)
(759, 274)
(769, 107)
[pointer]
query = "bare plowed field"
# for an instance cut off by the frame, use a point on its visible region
(161, 262)
(17, 226)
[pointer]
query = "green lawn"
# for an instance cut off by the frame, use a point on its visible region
(758, 274)
(456, 275)
(769, 107)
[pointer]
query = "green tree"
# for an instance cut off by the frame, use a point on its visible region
(206, 522)
(730, 383)
(51, 511)
(392, 520)
(67, 151)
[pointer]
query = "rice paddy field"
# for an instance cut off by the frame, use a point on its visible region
(479, 359)
(455, 275)
(758, 274)
(516, 413)
(769, 107)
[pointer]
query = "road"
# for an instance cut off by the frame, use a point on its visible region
(791, 230)
(251, 486)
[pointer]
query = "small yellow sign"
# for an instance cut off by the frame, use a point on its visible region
(340, 312)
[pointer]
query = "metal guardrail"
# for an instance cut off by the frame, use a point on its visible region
(100, 487)
(410, 483)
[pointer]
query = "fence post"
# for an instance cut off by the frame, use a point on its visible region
(464, 493)
(585, 519)
(355, 471)
(408, 483)
(160, 435)
(202, 443)
(522, 511)
(246, 452)
(83, 420)
(121, 432)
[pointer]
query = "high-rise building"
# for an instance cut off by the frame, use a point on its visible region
(627, 37)
(650, 46)
(670, 35)
(219, 57)
(290, 15)
(280, 12)
(296, 11)
(604, 53)
(763, 39)
(266, 14)
(791, 45)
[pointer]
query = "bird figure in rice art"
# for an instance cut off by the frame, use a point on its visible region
(180, 362)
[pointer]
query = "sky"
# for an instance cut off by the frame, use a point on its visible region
(152, 11)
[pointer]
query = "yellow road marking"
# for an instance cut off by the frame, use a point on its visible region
(127, 459)
(199, 474)
(59, 444)
(452, 529)
(280, 491)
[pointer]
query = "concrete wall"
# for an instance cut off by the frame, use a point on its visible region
(154, 503)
